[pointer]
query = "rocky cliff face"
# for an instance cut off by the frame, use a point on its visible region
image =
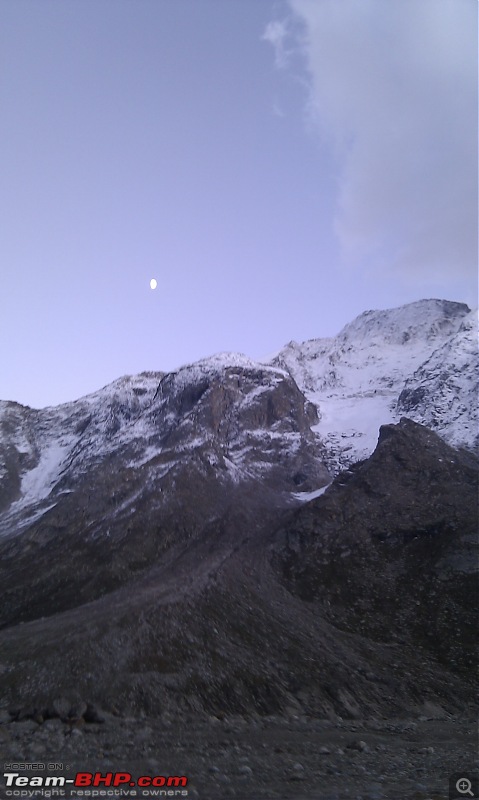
(226, 418)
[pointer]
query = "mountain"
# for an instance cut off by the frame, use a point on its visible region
(241, 538)
(291, 423)
(142, 469)
(419, 359)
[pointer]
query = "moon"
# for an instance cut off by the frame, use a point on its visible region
(153, 283)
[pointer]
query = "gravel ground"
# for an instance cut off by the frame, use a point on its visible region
(260, 758)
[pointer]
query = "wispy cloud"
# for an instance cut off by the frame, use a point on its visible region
(393, 92)
(277, 110)
(276, 33)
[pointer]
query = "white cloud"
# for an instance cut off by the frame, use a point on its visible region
(276, 33)
(393, 91)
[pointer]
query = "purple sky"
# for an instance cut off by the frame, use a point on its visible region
(278, 167)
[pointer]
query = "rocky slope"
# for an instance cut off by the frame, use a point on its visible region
(391, 550)
(375, 578)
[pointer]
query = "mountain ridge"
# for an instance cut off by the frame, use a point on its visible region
(419, 359)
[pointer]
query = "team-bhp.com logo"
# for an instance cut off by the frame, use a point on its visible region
(92, 784)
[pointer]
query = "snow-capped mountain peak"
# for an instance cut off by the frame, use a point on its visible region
(356, 378)
(424, 320)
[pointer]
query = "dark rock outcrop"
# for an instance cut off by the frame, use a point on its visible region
(391, 549)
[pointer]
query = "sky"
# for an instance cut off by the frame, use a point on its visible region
(278, 168)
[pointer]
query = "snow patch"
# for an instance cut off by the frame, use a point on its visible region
(305, 497)
(38, 482)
